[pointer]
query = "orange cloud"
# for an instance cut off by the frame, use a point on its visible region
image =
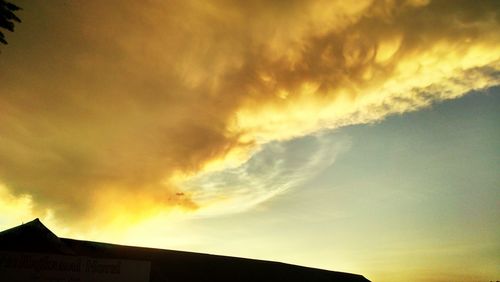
(104, 105)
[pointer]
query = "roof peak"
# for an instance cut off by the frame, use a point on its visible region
(32, 235)
(33, 223)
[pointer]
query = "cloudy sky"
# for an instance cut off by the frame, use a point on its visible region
(358, 136)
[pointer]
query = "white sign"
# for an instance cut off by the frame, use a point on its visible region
(23, 267)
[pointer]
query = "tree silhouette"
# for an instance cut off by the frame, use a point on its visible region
(7, 18)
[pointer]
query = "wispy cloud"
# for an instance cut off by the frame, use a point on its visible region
(274, 169)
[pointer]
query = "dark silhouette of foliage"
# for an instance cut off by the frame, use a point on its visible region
(7, 18)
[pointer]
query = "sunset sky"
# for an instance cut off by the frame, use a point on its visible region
(359, 136)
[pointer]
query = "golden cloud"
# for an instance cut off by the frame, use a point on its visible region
(105, 104)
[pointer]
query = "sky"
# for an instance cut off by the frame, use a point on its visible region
(357, 136)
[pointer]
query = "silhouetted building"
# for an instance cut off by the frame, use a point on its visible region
(31, 252)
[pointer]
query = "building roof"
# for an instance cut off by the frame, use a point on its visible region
(34, 237)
